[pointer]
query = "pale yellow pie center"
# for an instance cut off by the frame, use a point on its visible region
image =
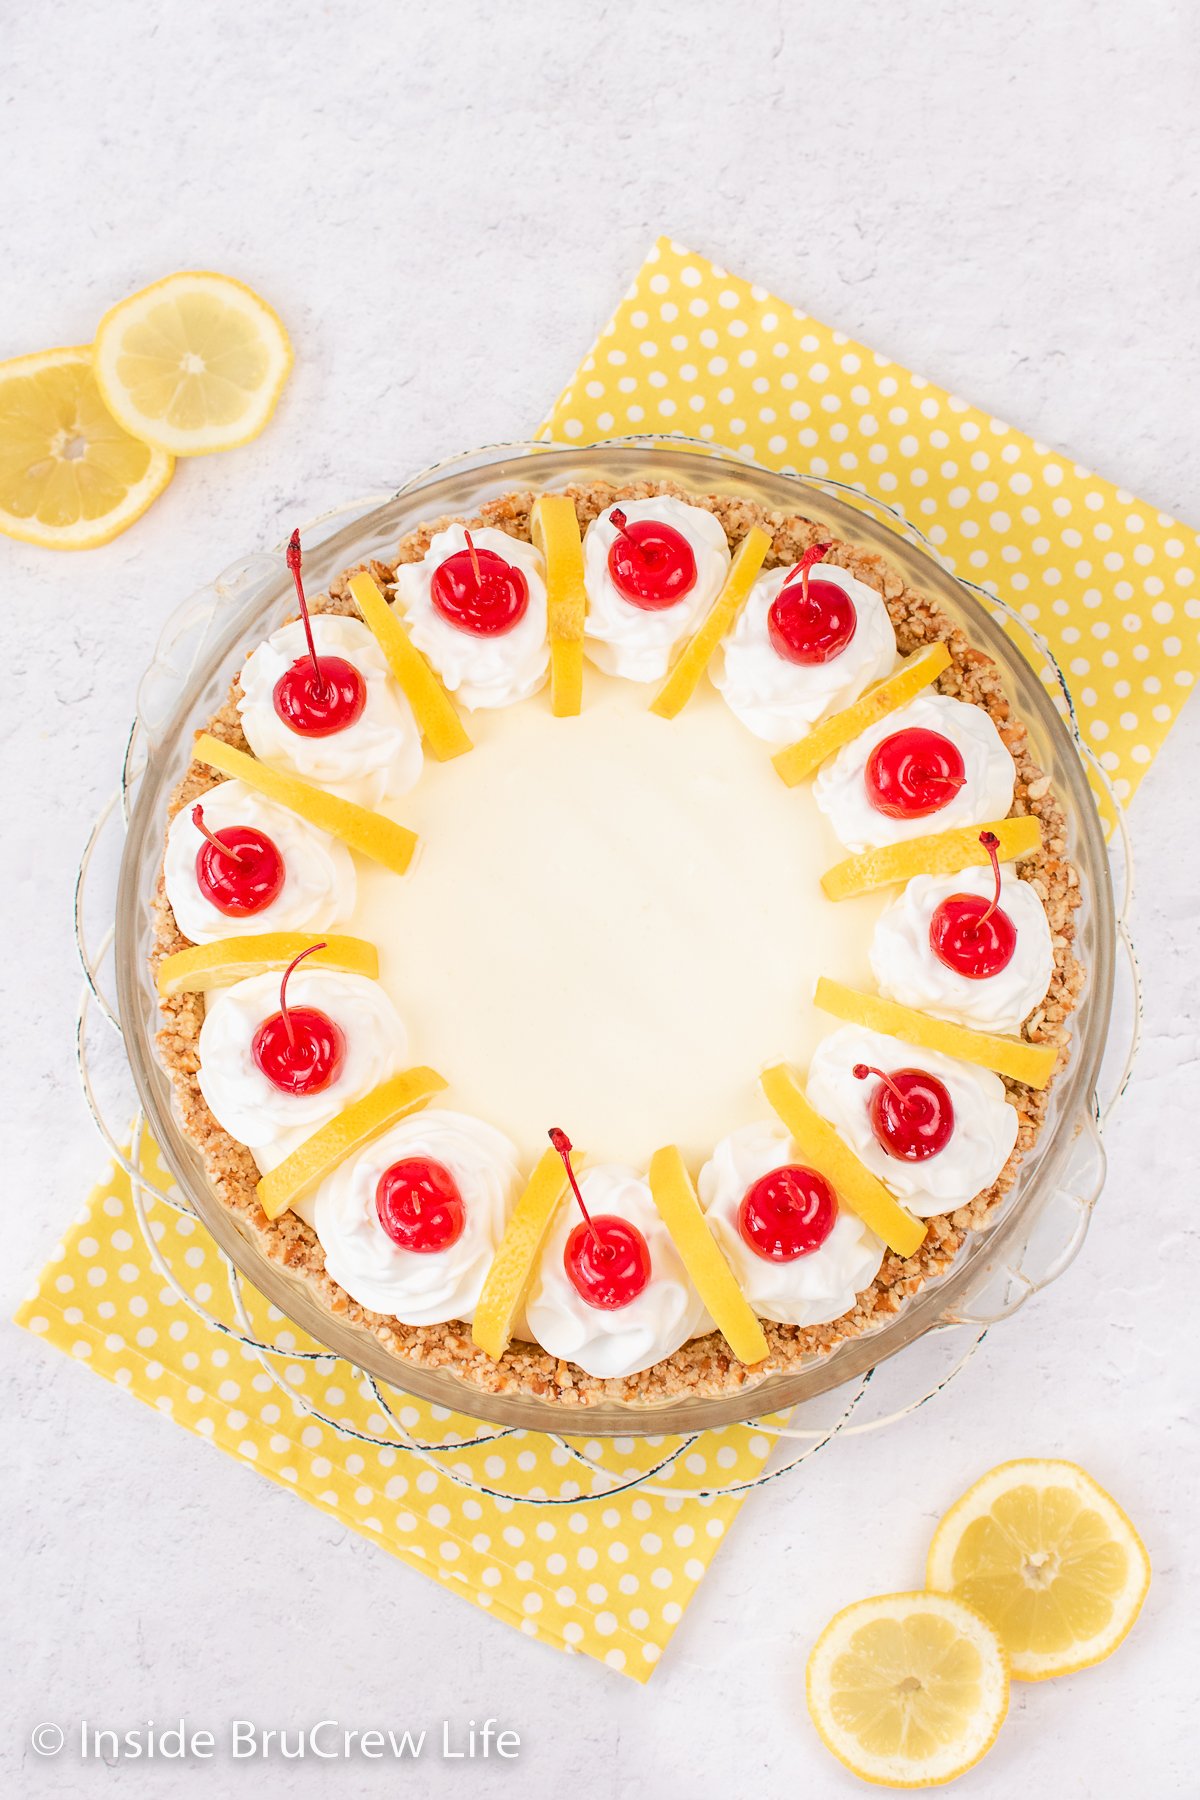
(613, 923)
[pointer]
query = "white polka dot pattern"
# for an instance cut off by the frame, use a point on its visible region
(1112, 584)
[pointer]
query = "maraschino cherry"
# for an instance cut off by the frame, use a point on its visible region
(318, 695)
(911, 1111)
(299, 1049)
(652, 565)
(913, 773)
(787, 1213)
(811, 621)
(419, 1206)
(479, 592)
(970, 934)
(606, 1258)
(238, 869)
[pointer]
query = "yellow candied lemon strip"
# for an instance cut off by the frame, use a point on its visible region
(433, 709)
(1031, 1063)
(795, 761)
(943, 853)
(554, 526)
(824, 1151)
(696, 654)
(204, 966)
(353, 1127)
(517, 1255)
(367, 832)
(716, 1284)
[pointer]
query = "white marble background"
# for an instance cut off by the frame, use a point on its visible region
(444, 201)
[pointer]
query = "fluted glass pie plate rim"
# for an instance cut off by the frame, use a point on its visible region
(1042, 1222)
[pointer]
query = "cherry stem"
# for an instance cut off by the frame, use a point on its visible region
(214, 840)
(862, 1070)
(293, 563)
(991, 844)
(621, 522)
(562, 1144)
(287, 975)
(474, 559)
(814, 554)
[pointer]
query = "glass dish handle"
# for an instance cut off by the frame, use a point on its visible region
(1053, 1244)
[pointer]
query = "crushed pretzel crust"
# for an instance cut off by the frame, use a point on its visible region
(704, 1367)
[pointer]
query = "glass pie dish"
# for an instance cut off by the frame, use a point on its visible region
(1042, 1222)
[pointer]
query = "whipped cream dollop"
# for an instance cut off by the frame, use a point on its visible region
(779, 700)
(840, 788)
(907, 969)
(627, 640)
(809, 1290)
(319, 887)
(376, 758)
(251, 1108)
(480, 671)
(985, 1125)
(609, 1344)
(418, 1287)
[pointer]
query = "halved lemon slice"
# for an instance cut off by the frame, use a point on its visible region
(908, 1690)
(554, 526)
(1049, 1558)
(204, 966)
(307, 1166)
(517, 1256)
(943, 853)
(697, 653)
(1034, 1064)
(432, 706)
(675, 1197)
(70, 477)
(192, 364)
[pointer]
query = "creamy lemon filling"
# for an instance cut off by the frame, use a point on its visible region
(614, 921)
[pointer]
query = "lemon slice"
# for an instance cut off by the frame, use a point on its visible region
(1031, 1063)
(432, 706)
(204, 966)
(942, 853)
(309, 1164)
(193, 364)
(1049, 1558)
(70, 477)
(696, 654)
(796, 761)
(517, 1255)
(908, 1690)
(715, 1282)
(853, 1183)
(370, 833)
(554, 527)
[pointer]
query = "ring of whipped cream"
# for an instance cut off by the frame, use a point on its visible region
(377, 758)
(630, 641)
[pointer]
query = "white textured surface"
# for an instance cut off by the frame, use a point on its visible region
(444, 202)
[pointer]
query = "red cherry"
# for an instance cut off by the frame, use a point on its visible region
(913, 773)
(652, 565)
(607, 1261)
(811, 621)
(299, 1049)
(318, 695)
(419, 1205)
(788, 1213)
(911, 1112)
(477, 591)
(606, 1258)
(971, 935)
(238, 869)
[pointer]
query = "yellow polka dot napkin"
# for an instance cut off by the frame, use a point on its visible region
(1110, 582)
